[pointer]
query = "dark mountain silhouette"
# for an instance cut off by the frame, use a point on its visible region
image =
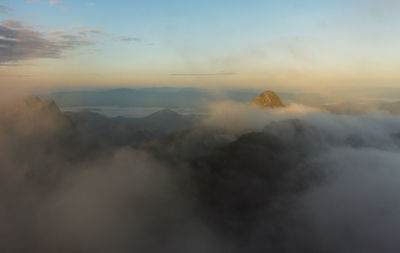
(131, 131)
(34, 132)
(163, 115)
(237, 180)
(35, 113)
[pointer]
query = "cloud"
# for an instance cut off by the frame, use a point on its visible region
(76, 201)
(32, 1)
(205, 74)
(12, 23)
(56, 32)
(90, 4)
(58, 3)
(240, 118)
(19, 43)
(128, 39)
(5, 9)
(296, 179)
(55, 2)
(352, 206)
(89, 31)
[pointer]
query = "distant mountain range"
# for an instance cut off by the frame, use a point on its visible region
(131, 131)
(168, 97)
(146, 97)
(45, 120)
(189, 98)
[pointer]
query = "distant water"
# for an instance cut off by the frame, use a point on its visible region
(132, 112)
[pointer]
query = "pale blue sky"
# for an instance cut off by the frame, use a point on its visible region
(227, 43)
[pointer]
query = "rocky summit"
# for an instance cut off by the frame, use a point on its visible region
(268, 99)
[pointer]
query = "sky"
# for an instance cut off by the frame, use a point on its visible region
(288, 44)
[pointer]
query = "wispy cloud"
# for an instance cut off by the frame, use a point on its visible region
(55, 2)
(128, 39)
(18, 43)
(86, 32)
(12, 23)
(58, 3)
(205, 74)
(56, 32)
(32, 1)
(90, 4)
(4, 9)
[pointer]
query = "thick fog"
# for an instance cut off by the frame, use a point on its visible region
(295, 179)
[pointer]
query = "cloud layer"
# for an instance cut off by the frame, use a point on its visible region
(248, 180)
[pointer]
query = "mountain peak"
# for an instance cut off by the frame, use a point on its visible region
(31, 105)
(268, 99)
(34, 103)
(165, 113)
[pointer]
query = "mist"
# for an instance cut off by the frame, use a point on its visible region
(153, 131)
(245, 179)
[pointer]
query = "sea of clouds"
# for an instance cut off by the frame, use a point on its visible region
(336, 186)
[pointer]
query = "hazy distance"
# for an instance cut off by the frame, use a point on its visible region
(199, 126)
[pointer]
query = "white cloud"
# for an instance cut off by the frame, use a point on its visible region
(55, 2)
(32, 1)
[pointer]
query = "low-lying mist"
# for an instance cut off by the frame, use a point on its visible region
(245, 179)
